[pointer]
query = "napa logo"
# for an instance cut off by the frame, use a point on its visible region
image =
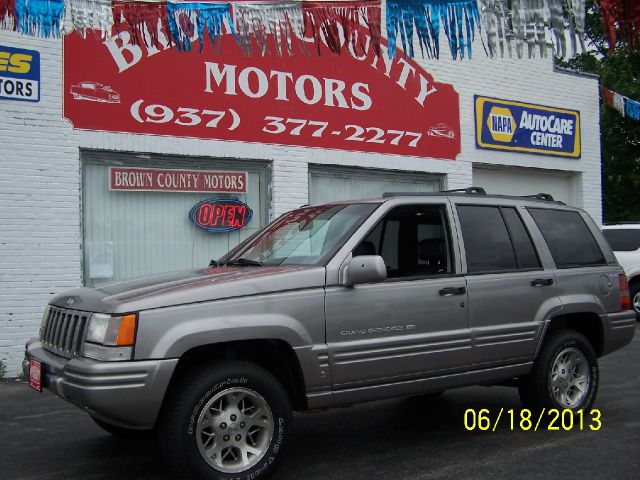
(515, 126)
(19, 74)
(501, 124)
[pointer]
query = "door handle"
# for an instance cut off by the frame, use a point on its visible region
(541, 282)
(450, 291)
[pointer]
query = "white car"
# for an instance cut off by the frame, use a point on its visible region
(624, 239)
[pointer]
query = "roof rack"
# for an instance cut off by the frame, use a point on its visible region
(547, 197)
(467, 191)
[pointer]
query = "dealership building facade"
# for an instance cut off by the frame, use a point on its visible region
(118, 156)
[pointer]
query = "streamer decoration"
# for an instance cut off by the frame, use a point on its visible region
(8, 15)
(146, 22)
(40, 18)
(190, 19)
(95, 15)
(282, 20)
(459, 20)
(335, 21)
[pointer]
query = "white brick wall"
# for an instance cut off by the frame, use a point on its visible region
(39, 198)
(40, 183)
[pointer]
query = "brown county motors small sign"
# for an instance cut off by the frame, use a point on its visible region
(165, 180)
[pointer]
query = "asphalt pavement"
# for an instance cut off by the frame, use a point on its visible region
(42, 437)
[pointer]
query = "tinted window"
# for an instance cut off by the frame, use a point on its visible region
(413, 240)
(623, 239)
(568, 237)
(486, 239)
(525, 252)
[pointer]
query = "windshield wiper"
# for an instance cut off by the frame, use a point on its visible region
(244, 261)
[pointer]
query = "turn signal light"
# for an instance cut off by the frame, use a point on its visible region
(127, 331)
(625, 298)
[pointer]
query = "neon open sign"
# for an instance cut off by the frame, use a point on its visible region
(221, 214)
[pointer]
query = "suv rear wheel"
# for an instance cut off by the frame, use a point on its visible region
(224, 421)
(565, 374)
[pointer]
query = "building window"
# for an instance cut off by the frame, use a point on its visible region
(131, 233)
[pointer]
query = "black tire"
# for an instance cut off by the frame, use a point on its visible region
(121, 431)
(633, 292)
(212, 391)
(537, 388)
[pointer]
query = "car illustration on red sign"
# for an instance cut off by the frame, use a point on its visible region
(218, 215)
(95, 92)
(441, 130)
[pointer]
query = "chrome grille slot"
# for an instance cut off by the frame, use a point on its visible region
(47, 327)
(64, 331)
(78, 334)
(70, 330)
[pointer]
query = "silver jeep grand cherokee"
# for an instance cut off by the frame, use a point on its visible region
(337, 304)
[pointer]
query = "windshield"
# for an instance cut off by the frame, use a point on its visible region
(307, 236)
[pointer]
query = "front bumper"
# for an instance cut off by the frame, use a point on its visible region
(127, 394)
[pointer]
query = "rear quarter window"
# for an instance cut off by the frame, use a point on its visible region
(568, 238)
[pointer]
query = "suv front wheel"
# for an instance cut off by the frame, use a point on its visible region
(226, 421)
(564, 376)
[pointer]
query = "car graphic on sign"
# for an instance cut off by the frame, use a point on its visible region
(95, 92)
(441, 130)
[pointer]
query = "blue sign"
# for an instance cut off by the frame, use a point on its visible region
(526, 128)
(219, 215)
(19, 74)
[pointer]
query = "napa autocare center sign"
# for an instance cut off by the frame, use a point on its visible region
(355, 101)
(523, 127)
(19, 74)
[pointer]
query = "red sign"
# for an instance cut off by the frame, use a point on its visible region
(221, 214)
(158, 180)
(353, 101)
(35, 374)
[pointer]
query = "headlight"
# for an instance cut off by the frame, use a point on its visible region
(110, 338)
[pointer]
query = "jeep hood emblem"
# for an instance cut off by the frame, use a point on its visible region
(71, 301)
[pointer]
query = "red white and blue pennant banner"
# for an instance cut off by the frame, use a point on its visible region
(508, 26)
(624, 105)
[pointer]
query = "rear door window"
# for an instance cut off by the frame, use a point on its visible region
(486, 239)
(568, 237)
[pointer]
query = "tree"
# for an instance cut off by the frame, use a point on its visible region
(619, 70)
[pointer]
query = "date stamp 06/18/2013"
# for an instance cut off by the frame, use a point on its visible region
(532, 420)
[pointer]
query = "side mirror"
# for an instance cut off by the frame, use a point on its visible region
(365, 269)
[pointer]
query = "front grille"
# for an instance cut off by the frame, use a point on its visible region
(64, 330)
